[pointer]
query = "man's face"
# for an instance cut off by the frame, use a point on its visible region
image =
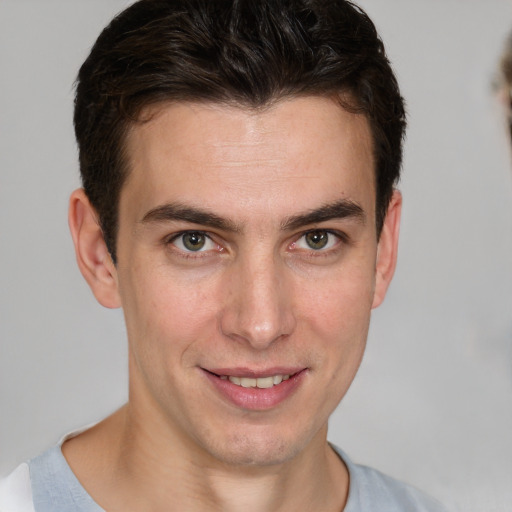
(246, 269)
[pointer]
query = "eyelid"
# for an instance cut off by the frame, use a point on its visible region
(336, 232)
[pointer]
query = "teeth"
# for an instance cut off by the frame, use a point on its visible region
(265, 382)
(277, 379)
(248, 383)
(261, 382)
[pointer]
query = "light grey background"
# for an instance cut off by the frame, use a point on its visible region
(432, 403)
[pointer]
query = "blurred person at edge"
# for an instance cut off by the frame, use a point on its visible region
(239, 161)
(504, 84)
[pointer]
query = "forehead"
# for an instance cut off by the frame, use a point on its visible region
(301, 149)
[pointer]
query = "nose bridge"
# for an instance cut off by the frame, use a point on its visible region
(260, 305)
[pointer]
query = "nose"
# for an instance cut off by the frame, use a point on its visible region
(259, 305)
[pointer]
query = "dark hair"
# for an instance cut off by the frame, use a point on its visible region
(244, 52)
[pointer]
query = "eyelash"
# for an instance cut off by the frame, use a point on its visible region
(341, 237)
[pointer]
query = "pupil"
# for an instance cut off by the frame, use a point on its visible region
(193, 241)
(317, 239)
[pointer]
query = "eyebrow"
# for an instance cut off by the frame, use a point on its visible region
(341, 209)
(176, 211)
(169, 212)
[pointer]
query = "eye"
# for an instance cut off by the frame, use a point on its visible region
(318, 240)
(193, 241)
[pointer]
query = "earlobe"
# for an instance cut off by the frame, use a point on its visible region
(387, 249)
(91, 251)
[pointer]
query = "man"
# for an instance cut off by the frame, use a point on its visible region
(238, 161)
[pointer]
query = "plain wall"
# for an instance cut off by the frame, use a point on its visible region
(432, 403)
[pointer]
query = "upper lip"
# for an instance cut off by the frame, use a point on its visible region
(242, 371)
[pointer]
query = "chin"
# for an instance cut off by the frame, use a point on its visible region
(260, 449)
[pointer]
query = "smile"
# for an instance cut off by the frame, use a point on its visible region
(259, 391)
(260, 382)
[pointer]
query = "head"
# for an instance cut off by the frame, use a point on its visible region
(238, 161)
(245, 53)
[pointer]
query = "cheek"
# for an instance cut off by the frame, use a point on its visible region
(165, 315)
(337, 316)
(341, 301)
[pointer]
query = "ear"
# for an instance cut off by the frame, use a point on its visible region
(387, 249)
(92, 254)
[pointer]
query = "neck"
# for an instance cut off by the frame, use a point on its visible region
(127, 464)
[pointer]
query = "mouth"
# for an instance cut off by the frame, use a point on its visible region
(256, 391)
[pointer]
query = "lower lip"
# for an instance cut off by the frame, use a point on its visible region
(256, 399)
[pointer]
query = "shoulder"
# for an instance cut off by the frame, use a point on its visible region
(45, 483)
(16, 491)
(372, 490)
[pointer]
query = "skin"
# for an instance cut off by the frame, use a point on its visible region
(255, 298)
